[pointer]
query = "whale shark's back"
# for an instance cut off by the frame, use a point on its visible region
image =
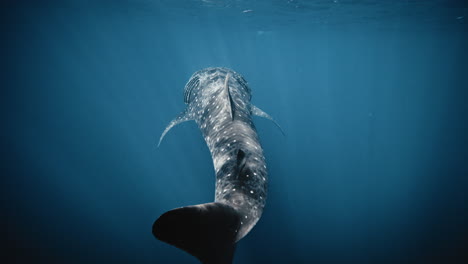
(210, 74)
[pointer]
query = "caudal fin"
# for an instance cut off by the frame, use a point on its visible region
(207, 231)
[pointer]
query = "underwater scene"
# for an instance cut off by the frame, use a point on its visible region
(366, 160)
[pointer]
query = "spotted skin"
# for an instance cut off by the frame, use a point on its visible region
(218, 99)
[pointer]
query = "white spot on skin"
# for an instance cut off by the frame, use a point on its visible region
(251, 191)
(255, 173)
(234, 189)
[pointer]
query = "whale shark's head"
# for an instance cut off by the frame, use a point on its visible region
(213, 76)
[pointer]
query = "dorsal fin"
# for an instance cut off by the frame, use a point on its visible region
(259, 112)
(241, 160)
(231, 104)
(182, 117)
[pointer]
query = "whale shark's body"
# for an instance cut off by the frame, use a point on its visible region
(218, 99)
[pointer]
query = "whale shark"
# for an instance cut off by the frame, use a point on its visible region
(219, 101)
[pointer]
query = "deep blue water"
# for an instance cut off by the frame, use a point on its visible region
(371, 96)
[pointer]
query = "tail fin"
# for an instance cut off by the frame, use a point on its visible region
(207, 231)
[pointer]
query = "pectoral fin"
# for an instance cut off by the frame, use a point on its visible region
(259, 112)
(184, 116)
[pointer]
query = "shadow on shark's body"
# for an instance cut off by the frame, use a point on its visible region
(218, 100)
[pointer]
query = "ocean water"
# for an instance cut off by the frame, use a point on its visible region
(371, 96)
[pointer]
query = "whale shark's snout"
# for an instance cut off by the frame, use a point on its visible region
(209, 76)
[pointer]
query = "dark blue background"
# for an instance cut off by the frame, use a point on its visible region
(371, 95)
